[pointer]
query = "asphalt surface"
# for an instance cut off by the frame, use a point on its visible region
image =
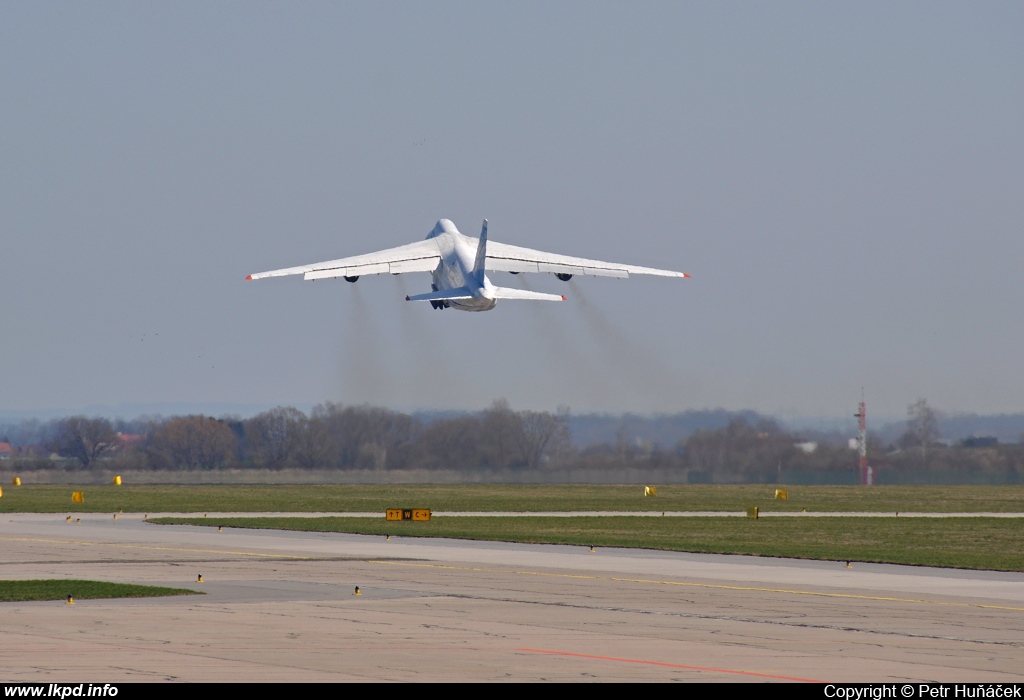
(281, 606)
(591, 514)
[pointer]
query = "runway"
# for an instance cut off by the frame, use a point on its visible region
(279, 606)
(595, 514)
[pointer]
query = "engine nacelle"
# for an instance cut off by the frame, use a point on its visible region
(352, 279)
(564, 276)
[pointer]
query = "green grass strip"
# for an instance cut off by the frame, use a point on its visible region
(963, 543)
(507, 497)
(60, 589)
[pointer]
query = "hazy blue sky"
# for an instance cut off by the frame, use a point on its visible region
(844, 181)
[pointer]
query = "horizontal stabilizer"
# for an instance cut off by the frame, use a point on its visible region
(444, 294)
(512, 293)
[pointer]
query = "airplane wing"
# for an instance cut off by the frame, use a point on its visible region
(422, 256)
(511, 258)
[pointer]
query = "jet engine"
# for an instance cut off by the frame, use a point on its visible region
(564, 276)
(353, 278)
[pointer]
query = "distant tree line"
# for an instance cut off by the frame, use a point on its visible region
(334, 436)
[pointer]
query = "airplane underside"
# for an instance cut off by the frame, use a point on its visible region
(471, 304)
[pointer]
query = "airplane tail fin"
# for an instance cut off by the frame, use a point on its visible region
(481, 255)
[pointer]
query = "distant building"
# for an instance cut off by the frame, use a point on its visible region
(129, 439)
(806, 447)
(986, 441)
(6, 451)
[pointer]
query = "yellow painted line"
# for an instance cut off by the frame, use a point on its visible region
(691, 584)
(155, 548)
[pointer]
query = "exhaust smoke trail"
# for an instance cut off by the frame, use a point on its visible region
(363, 370)
(647, 377)
(575, 374)
(431, 372)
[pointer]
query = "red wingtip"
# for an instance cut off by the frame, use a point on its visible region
(564, 298)
(248, 277)
(686, 275)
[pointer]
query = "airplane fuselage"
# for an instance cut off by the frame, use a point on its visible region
(458, 255)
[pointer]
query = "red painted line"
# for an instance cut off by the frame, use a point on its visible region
(663, 663)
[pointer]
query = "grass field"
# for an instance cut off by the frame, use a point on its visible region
(60, 589)
(984, 543)
(513, 497)
(967, 543)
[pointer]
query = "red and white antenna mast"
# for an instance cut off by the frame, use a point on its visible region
(867, 477)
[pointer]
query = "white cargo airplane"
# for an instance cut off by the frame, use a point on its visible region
(458, 264)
